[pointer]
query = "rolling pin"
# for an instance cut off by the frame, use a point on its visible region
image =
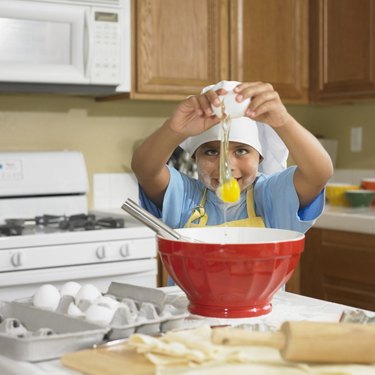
(309, 341)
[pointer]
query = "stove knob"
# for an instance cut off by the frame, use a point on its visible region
(101, 252)
(16, 260)
(124, 250)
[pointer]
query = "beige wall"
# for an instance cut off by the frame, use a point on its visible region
(106, 131)
(335, 121)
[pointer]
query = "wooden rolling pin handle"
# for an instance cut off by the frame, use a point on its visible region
(310, 341)
(328, 342)
(238, 336)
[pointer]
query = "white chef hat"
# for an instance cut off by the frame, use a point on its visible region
(245, 130)
(242, 129)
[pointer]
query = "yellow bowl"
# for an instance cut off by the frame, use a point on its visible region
(335, 193)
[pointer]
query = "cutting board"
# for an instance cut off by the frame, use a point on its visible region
(115, 360)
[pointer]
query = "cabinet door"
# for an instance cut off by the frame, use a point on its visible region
(269, 43)
(180, 46)
(342, 45)
(339, 267)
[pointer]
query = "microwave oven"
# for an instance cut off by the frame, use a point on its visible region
(78, 46)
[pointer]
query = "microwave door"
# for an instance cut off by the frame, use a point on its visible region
(42, 43)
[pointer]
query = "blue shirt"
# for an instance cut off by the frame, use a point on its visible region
(275, 200)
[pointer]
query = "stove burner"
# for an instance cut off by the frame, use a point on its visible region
(54, 223)
(49, 219)
(89, 222)
(80, 221)
(10, 230)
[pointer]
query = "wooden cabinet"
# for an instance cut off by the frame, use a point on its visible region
(342, 49)
(180, 46)
(309, 50)
(337, 266)
(269, 43)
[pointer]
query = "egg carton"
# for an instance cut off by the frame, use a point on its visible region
(31, 334)
(151, 311)
(141, 310)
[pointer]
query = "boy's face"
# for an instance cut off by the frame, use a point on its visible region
(244, 161)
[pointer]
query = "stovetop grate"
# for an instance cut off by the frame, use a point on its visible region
(57, 223)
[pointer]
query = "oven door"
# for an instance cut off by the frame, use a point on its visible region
(23, 283)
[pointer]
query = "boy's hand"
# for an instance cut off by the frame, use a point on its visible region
(265, 106)
(194, 115)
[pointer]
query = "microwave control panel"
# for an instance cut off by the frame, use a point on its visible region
(107, 48)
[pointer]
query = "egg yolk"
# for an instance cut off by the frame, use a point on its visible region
(229, 191)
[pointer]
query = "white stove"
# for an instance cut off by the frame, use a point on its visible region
(47, 234)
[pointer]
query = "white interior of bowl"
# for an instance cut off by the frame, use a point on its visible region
(235, 235)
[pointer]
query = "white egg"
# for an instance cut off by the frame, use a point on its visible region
(99, 314)
(73, 310)
(47, 297)
(106, 301)
(70, 288)
(232, 108)
(88, 292)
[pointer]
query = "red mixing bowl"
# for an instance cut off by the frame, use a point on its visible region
(234, 272)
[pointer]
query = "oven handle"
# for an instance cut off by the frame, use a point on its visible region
(101, 252)
(125, 250)
(16, 259)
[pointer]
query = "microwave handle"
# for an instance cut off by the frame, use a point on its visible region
(88, 44)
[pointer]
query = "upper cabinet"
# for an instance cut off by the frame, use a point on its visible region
(269, 44)
(342, 48)
(310, 50)
(179, 46)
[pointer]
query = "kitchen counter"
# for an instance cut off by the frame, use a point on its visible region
(360, 220)
(286, 306)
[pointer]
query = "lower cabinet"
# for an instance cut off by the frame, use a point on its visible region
(337, 266)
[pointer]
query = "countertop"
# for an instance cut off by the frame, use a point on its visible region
(286, 306)
(359, 220)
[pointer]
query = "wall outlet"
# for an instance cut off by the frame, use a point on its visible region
(356, 139)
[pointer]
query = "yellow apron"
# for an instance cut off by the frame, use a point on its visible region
(199, 213)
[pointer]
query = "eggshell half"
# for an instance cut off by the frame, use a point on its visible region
(232, 108)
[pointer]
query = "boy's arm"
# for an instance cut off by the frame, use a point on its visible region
(193, 116)
(150, 159)
(314, 166)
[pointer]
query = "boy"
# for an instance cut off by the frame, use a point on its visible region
(291, 198)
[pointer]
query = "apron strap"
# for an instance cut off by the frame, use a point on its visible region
(199, 213)
(250, 202)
